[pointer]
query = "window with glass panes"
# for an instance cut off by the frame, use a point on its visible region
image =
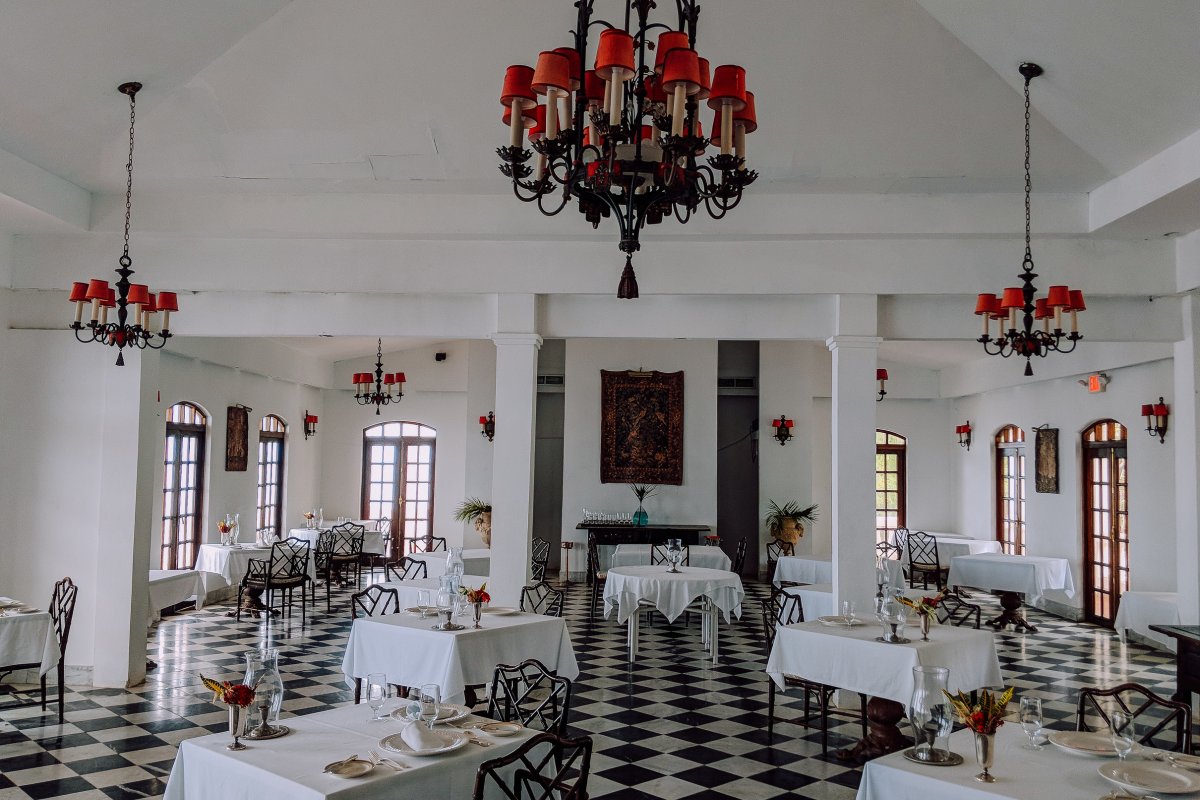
(1106, 519)
(272, 436)
(889, 484)
(398, 463)
(183, 485)
(1010, 489)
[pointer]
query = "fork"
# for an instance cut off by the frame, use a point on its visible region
(377, 759)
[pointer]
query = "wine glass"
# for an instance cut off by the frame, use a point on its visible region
(377, 693)
(1123, 734)
(848, 613)
(431, 703)
(412, 707)
(1031, 721)
(423, 601)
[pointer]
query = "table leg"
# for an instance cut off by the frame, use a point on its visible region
(1011, 603)
(633, 635)
(715, 622)
(883, 734)
(251, 601)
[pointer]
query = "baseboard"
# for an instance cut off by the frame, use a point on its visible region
(74, 676)
(1073, 613)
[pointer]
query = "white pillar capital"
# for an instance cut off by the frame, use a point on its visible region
(528, 339)
(835, 343)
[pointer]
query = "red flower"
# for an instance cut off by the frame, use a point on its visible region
(977, 721)
(239, 695)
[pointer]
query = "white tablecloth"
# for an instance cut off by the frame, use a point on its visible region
(170, 587)
(1139, 610)
(951, 546)
(1032, 576)
(411, 653)
(850, 658)
(28, 639)
(476, 561)
(634, 555)
(291, 767)
(230, 563)
(407, 590)
(670, 593)
(373, 541)
(803, 569)
(816, 599)
(1046, 774)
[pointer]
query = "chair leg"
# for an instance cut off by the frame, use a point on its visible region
(44, 688)
(823, 698)
(238, 600)
(62, 681)
(357, 691)
(862, 706)
(770, 709)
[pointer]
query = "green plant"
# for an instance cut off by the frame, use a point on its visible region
(777, 514)
(643, 490)
(472, 509)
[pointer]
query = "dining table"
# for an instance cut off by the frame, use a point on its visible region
(170, 587)
(803, 569)
(27, 639)
(631, 590)
(476, 561)
(408, 591)
(410, 652)
(1137, 611)
(633, 555)
(950, 546)
(374, 542)
(1012, 576)
(291, 766)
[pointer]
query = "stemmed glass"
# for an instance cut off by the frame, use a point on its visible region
(423, 601)
(377, 693)
(431, 703)
(848, 613)
(1031, 721)
(1123, 733)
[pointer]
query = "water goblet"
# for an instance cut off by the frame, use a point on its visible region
(412, 708)
(1031, 721)
(1121, 725)
(377, 693)
(431, 703)
(848, 613)
(423, 602)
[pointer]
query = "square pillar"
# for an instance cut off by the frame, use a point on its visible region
(1185, 426)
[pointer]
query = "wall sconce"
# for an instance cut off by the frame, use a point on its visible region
(783, 429)
(964, 434)
(1156, 419)
(310, 425)
(489, 426)
(881, 376)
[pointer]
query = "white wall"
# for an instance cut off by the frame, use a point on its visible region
(693, 502)
(931, 450)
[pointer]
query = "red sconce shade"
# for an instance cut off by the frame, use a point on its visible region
(97, 289)
(168, 301)
(681, 68)
(488, 425)
(783, 429)
(138, 293)
(310, 424)
(668, 41)
(552, 74)
(614, 54)
(881, 375)
(78, 292)
(728, 84)
(1156, 415)
(987, 304)
(1058, 297)
(518, 80)
(1077, 303)
(964, 435)
(1013, 298)
(747, 116)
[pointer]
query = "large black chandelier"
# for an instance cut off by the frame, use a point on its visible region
(625, 139)
(1026, 341)
(379, 388)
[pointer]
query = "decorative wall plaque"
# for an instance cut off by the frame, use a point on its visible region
(641, 427)
(236, 433)
(1046, 460)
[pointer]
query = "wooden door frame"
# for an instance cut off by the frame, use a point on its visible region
(1112, 446)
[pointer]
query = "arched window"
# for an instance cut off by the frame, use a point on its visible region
(889, 484)
(183, 486)
(272, 437)
(397, 483)
(1105, 519)
(1010, 489)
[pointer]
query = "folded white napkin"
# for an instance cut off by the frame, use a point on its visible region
(418, 736)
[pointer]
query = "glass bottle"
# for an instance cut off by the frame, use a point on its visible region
(454, 562)
(445, 599)
(262, 673)
(236, 527)
(930, 714)
(892, 615)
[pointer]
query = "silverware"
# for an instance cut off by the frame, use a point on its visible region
(377, 759)
(336, 764)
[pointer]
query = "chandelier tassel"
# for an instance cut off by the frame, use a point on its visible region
(628, 288)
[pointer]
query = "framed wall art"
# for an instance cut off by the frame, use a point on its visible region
(1046, 460)
(641, 427)
(236, 441)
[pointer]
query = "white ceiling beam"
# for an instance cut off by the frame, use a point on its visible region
(1160, 196)
(32, 199)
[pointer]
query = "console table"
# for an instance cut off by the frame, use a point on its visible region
(1187, 659)
(603, 533)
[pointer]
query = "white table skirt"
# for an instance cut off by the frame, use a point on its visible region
(671, 593)
(229, 564)
(28, 639)
(291, 767)
(407, 591)
(634, 555)
(951, 546)
(850, 658)
(1046, 774)
(1032, 576)
(476, 561)
(411, 653)
(804, 569)
(1139, 610)
(373, 541)
(817, 601)
(170, 587)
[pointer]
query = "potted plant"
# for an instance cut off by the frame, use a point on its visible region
(479, 513)
(786, 522)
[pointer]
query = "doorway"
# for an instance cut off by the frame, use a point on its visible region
(737, 474)
(1105, 519)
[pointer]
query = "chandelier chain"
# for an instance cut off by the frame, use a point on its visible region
(1028, 265)
(129, 174)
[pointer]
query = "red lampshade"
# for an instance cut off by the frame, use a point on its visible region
(517, 84)
(151, 303)
(1147, 410)
(747, 115)
(528, 119)
(539, 124)
(789, 423)
(987, 304)
(1058, 297)
(654, 90)
(958, 428)
(96, 290)
(483, 420)
(681, 68)
(705, 80)
(167, 301)
(553, 72)
(1041, 310)
(78, 292)
(716, 127)
(389, 378)
(1013, 298)
(966, 428)
(881, 375)
(311, 419)
(138, 293)
(110, 298)
(399, 377)
(614, 53)
(668, 41)
(361, 377)
(575, 65)
(1077, 303)
(1160, 409)
(647, 133)
(728, 83)
(593, 86)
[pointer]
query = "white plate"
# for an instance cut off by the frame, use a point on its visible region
(1082, 743)
(1183, 760)
(453, 740)
(1149, 776)
(27, 610)
(448, 712)
(355, 768)
(503, 611)
(838, 622)
(499, 728)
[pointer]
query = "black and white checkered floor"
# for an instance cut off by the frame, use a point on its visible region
(673, 726)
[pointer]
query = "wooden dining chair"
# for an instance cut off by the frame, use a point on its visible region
(739, 556)
(547, 767)
(374, 561)
(923, 561)
(658, 555)
(531, 694)
(62, 612)
(777, 548)
(539, 560)
(424, 544)
(1155, 715)
(406, 569)
(282, 572)
(374, 601)
(954, 610)
(597, 576)
(346, 550)
(542, 598)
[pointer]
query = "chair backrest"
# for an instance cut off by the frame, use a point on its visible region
(532, 695)
(712, 540)
(289, 558)
(887, 550)
(347, 539)
(922, 550)
(900, 539)
(594, 559)
(547, 767)
(425, 544)
(777, 548)
(62, 611)
(1154, 715)
(539, 559)
(406, 569)
(739, 557)
(374, 601)
(658, 554)
(542, 598)
(780, 608)
(956, 611)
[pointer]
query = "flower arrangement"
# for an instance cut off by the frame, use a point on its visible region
(479, 595)
(310, 515)
(926, 606)
(643, 490)
(983, 713)
(231, 694)
(223, 526)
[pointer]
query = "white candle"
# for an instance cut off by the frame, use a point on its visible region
(618, 99)
(986, 319)
(677, 109)
(1074, 321)
(739, 143)
(79, 311)
(726, 127)
(166, 326)
(541, 167)
(1012, 319)
(564, 112)
(95, 310)
(516, 124)
(1058, 318)
(551, 114)
(607, 100)
(104, 315)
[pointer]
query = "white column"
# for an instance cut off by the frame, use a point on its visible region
(512, 476)
(1185, 427)
(853, 446)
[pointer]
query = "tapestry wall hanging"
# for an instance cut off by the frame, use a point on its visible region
(1046, 460)
(641, 427)
(236, 422)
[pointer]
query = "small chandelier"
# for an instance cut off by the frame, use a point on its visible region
(625, 139)
(1156, 415)
(141, 333)
(389, 386)
(488, 426)
(1026, 342)
(881, 376)
(783, 429)
(964, 434)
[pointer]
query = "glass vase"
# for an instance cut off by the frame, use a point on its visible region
(640, 518)
(930, 715)
(478, 612)
(262, 674)
(926, 622)
(454, 562)
(235, 727)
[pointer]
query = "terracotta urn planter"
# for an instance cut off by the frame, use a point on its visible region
(790, 531)
(483, 525)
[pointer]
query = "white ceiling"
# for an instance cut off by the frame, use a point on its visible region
(341, 348)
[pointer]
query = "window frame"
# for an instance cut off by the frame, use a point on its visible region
(1010, 450)
(272, 429)
(898, 448)
(169, 553)
(426, 435)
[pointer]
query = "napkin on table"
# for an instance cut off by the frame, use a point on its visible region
(418, 736)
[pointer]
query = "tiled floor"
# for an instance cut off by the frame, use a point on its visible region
(671, 727)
